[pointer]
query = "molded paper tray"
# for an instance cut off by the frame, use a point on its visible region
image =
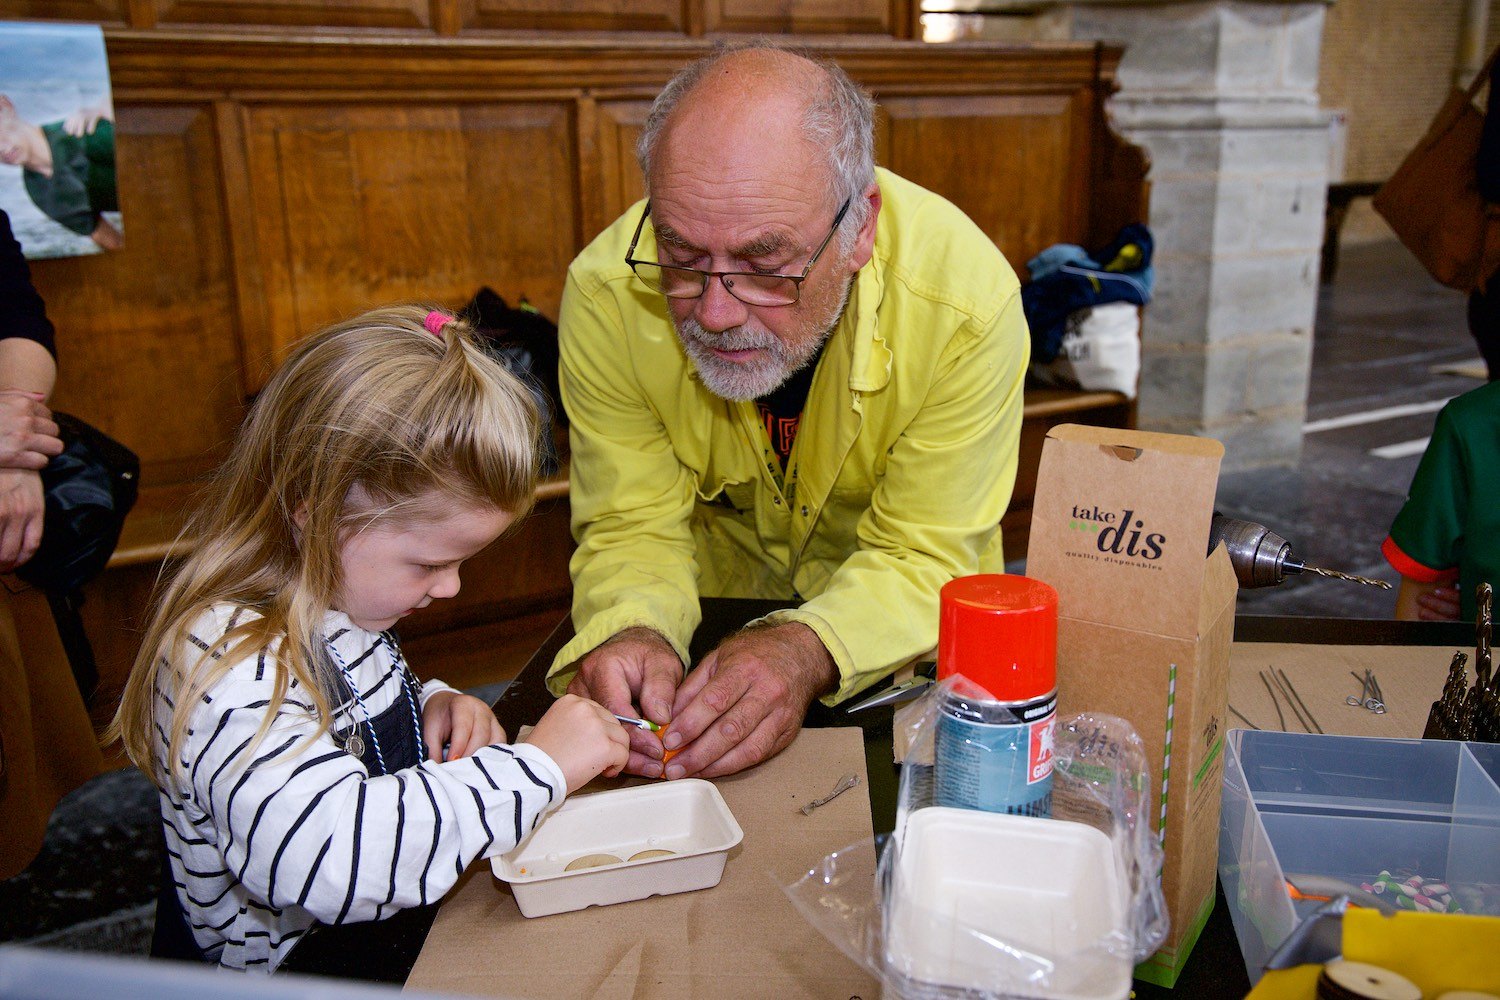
(687, 817)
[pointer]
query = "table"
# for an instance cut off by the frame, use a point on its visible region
(1215, 969)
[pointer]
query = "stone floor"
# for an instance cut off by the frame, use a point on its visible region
(1383, 331)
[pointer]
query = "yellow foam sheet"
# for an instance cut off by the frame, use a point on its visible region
(1438, 952)
(741, 938)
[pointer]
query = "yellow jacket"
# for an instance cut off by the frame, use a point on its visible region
(900, 472)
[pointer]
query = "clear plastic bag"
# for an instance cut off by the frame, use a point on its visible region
(928, 931)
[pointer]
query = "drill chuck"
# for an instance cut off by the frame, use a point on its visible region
(1260, 557)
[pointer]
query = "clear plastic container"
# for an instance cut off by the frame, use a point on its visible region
(1348, 808)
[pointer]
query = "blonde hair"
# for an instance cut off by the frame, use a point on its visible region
(376, 402)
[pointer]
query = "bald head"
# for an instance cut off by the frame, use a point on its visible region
(764, 109)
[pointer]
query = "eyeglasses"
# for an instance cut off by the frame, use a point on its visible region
(751, 287)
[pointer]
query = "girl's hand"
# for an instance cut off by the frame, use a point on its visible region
(583, 738)
(462, 722)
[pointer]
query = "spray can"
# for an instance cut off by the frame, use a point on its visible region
(998, 632)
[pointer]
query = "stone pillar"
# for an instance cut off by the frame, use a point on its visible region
(1223, 94)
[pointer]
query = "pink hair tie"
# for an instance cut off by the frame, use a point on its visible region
(435, 322)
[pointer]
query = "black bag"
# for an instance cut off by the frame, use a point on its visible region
(525, 342)
(89, 489)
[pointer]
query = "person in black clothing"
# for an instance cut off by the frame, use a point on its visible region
(1484, 302)
(28, 435)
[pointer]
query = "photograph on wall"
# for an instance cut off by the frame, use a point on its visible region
(57, 140)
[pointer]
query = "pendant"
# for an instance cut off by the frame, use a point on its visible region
(354, 745)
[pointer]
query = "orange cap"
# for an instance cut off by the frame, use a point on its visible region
(999, 630)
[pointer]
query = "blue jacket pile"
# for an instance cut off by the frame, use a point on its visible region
(1066, 278)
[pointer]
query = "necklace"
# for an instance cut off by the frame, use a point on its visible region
(353, 743)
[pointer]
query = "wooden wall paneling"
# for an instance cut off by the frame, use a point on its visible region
(297, 13)
(94, 11)
(522, 200)
(906, 19)
(369, 205)
(256, 350)
(692, 18)
(146, 335)
(141, 13)
(799, 16)
(575, 15)
(1009, 161)
(617, 126)
(1120, 192)
(591, 168)
(449, 16)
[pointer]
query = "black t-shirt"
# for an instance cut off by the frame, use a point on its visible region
(781, 409)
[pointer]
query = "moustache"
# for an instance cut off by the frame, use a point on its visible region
(736, 338)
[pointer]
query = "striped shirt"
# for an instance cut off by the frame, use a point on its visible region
(261, 848)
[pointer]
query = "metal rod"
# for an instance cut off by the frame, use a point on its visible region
(1242, 718)
(1274, 703)
(1293, 690)
(1290, 703)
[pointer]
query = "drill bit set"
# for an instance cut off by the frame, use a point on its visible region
(1464, 712)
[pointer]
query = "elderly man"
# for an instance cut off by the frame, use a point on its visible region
(789, 375)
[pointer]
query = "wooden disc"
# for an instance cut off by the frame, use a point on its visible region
(655, 852)
(591, 861)
(1344, 980)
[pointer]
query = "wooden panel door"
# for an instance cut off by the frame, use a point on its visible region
(799, 16)
(147, 341)
(296, 13)
(1016, 164)
(617, 125)
(574, 15)
(96, 11)
(358, 206)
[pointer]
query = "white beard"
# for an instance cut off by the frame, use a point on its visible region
(745, 380)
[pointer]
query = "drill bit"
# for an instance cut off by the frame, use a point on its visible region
(1334, 574)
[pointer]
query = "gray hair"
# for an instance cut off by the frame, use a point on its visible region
(839, 119)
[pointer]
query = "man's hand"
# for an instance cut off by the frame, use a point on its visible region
(635, 667)
(28, 435)
(460, 722)
(21, 510)
(745, 702)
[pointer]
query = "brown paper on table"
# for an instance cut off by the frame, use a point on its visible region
(1411, 677)
(741, 938)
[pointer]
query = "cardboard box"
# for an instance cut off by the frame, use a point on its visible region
(1120, 528)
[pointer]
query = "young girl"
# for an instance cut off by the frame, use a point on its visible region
(305, 776)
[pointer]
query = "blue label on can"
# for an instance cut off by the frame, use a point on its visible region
(995, 756)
